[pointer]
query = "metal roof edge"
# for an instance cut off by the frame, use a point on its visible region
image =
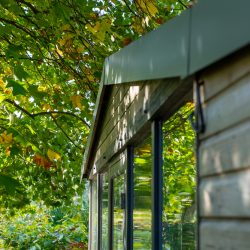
(184, 45)
(97, 111)
(136, 62)
(218, 29)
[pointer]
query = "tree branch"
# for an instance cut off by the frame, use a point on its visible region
(46, 112)
(19, 108)
(63, 131)
(62, 113)
(18, 27)
(184, 5)
(130, 9)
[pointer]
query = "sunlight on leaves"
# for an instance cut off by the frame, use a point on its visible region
(53, 155)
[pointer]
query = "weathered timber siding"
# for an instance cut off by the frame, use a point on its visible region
(224, 167)
(129, 111)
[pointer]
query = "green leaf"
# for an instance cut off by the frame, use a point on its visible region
(31, 129)
(18, 89)
(13, 51)
(20, 73)
(9, 183)
(14, 150)
(33, 90)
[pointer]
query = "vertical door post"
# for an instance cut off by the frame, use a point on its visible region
(129, 197)
(90, 214)
(99, 210)
(157, 181)
(110, 209)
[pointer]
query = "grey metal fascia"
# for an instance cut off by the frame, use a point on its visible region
(218, 28)
(94, 124)
(158, 54)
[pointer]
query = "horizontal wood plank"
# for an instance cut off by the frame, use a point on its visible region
(117, 165)
(227, 151)
(120, 105)
(224, 235)
(223, 74)
(115, 99)
(228, 109)
(225, 196)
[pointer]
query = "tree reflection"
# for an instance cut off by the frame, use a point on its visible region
(142, 195)
(119, 214)
(105, 211)
(179, 185)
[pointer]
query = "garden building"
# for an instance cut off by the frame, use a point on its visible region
(168, 156)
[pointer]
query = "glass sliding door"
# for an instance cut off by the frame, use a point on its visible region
(94, 215)
(142, 214)
(105, 212)
(118, 212)
(179, 182)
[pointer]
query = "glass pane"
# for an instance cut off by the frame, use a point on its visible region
(119, 213)
(179, 182)
(142, 196)
(104, 212)
(94, 222)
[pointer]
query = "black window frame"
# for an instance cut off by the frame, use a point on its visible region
(157, 190)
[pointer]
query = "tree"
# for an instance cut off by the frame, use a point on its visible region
(52, 54)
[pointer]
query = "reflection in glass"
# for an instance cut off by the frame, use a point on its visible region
(119, 213)
(94, 222)
(179, 175)
(142, 196)
(104, 212)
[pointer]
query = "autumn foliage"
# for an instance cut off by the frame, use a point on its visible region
(52, 54)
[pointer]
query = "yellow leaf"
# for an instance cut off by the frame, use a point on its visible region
(2, 84)
(7, 71)
(97, 27)
(66, 27)
(91, 78)
(42, 88)
(100, 28)
(59, 52)
(7, 151)
(104, 27)
(6, 139)
(93, 16)
(106, 24)
(138, 26)
(80, 49)
(2, 98)
(53, 155)
(76, 101)
(62, 42)
(46, 107)
(93, 29)
(7, 91)
(148, 6)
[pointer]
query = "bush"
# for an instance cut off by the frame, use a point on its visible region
(38, 227)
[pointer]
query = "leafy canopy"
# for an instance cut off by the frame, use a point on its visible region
(51, 57)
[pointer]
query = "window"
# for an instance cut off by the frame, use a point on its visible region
(105, 213)
(94, 215)
(118, 213)
(179, 182)
(177, 196)
(142, 214)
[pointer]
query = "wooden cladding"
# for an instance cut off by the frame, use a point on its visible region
(130, 111)
(224, 155)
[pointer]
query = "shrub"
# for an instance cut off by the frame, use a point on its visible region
(38, 227)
